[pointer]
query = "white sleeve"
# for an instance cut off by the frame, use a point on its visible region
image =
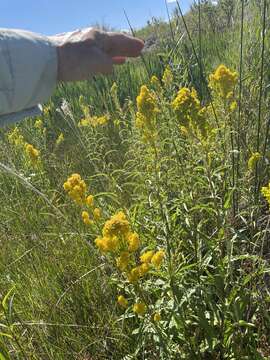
(28, 73)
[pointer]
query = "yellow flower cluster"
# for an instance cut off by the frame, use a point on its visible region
(252, 161)
(223, 81)
(16, 138)
(147, 111)
(86, 218)
(122, 301)
(32, 152)
(139, 308)
(76, 188)
(266, 193)
(188, 110)
(167, 77)
(94, 121)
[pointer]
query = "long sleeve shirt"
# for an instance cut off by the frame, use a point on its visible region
(28, 71)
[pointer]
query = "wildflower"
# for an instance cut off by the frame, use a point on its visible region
(252, 161)
(158, 258)
(122, 301)
(147, 111)
(186, 106)
(107, 244)
(98, 120)
(147, 257)
(32, 152)
(16, 138)
(60, 139)
(143, 269)
(133, 241)
(134, 275)
(139, 308)
(233, 106)
(157, 317)
(76, 188)
(223, 81)
(266, 193)
(90, 200)
(146, 103)
(117, 225)
(123, 260)
(86, 218)
(97, 213)
(167, 77)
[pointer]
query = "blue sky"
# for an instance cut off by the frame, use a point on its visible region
(55, 16)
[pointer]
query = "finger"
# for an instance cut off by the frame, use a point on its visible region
(119, 45)
(119, 60)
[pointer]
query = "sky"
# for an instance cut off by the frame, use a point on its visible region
(50, 17)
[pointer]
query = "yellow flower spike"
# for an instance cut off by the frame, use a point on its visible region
(167, 77)
(157, 317)
(117, 225)
(76, 188)
(266, 193)
(143, 269)
(122, 301)
(223, 81)
(139, 308)
(97, 213)
(90, 200)
(32, 152)
(147, 256)
(134, 275)
(158, 258)
(123, 260)
(101, 244)
(86, 218)
(133, 241)
(112, 243)
(252, 161)
(16, 138)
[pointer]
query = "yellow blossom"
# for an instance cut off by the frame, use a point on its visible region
(122, 301)
(139, 308)
(16, 138)
(86, 218)
(167, 77)
(155, 83)
(90, 200)
(157, 317)
(76, 188)
(97, 213)
(134, 275)
(123, 260)
(147, 257)
(223, 81)
(117, 225)
(158, 258)
(32, 152)
(266, 193)
(107, 244)
(252, 161)
(186, 106)
(133, 241)
(143, 269)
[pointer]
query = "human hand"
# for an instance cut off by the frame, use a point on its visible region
(94, 52)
